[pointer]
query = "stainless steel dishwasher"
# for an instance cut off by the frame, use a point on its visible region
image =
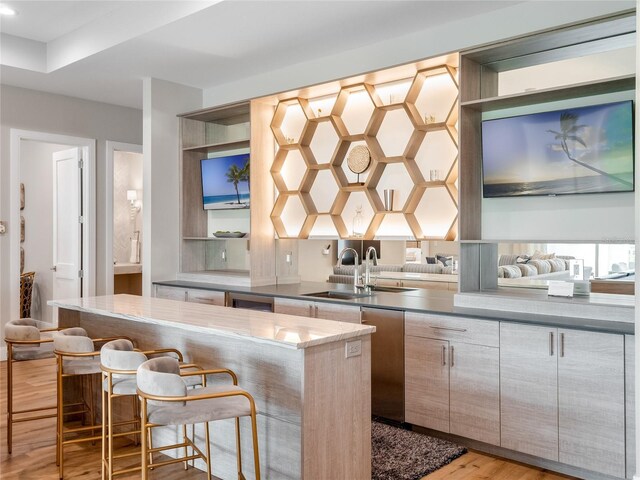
(387, 362)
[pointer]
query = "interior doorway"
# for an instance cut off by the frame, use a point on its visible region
(52, 201)
(124, 218)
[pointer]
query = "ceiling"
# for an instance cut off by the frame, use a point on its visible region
(101, 50)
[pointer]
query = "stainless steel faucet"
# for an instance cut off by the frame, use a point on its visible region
(357, 285)
(367, 265)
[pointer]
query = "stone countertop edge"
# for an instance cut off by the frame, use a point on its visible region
(362, 330)
(431, 301)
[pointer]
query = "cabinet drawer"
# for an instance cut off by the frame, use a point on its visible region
(290, 306)
(441, 327)
(206, 296)
(338, 312)
(171, 293)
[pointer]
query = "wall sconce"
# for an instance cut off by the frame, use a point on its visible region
(134, 204)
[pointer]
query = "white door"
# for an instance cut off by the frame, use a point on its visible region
(67, 228)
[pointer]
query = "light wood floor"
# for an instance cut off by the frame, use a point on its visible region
(34, 444)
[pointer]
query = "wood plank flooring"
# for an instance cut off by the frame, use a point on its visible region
(34, 444)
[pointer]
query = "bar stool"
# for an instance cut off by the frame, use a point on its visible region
(76, 357)
(28, 339)
(166, 401)
(119, 362)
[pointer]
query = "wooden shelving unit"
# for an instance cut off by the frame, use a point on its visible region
(212, 132)
(479, 93)
(394, 129)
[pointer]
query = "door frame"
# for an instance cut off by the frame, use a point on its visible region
(111, 149)
(88, 146)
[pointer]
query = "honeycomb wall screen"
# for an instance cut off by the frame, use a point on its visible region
(410, 128)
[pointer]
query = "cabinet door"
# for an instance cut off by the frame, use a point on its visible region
(529, 389)
(591, 401)
(290, 306)
(171, 293)
(209, 297)
(337, 311)
(629, 387)
(427, 382)
(474, 377)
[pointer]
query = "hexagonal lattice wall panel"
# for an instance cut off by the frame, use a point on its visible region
(291, 170)
(437, 152)
(357, 111)
(324, 142)
(324, 191)
(436, 213)
(394, 133)
(410, 128)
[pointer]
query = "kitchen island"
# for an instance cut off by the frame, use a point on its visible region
(311, 378)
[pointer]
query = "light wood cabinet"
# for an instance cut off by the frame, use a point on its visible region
(562, 396)
(427, 383)
(529, 390)
(452, 381)
(328, 311)
(171, 293)
(630, 397)
(474, 392)
(209, 297)
(591, 401)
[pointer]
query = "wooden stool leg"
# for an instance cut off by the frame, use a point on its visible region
(110, 430)
(9, 397)
(143, 438)
(207, 440)
(238, 448)
(256, 453)
(103, 449)
(60, 436)
(184, 439)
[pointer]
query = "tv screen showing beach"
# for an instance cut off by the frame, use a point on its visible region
(570, 151)
(225, 182)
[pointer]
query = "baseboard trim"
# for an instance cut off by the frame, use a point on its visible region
(519, 457)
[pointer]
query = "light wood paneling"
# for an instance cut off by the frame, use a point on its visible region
(427, 382)
(336, 416)
(263, 261)
(474, 381)
(591, 401)
(529, 389)
(458, 329)
(630, 398)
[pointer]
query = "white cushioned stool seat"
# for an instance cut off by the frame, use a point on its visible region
(201, 411)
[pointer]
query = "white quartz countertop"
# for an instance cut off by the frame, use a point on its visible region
(284, 330)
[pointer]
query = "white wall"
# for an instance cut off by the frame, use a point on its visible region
(162, 101)
(454, 36)
(36, 173)
(127, 175)
(44, 112)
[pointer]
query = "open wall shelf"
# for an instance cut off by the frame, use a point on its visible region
(409, 126)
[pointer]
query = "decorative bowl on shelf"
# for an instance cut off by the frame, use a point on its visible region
(229, 234)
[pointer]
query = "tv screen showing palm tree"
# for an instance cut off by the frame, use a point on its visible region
(225, 182)
(569, 151)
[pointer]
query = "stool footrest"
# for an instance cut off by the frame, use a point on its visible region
(28, 410)
(28, 419)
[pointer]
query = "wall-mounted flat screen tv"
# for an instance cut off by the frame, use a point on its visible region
(225, 182)
(570, 151)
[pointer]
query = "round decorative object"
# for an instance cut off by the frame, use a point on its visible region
(359, 159)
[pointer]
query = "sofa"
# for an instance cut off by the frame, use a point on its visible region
(344, 273)
(538, 266)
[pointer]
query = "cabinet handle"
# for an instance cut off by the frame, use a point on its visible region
(551, 344)
(316, 311)
(436, 327)
(562, 344)
(444, 355)
(451, 356)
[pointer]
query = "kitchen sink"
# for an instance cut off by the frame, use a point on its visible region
(338, 294)
(391, 289)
